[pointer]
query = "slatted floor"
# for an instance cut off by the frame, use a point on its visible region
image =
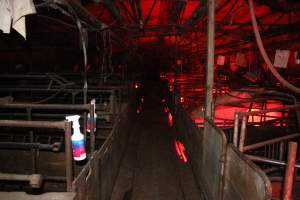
(151, 169)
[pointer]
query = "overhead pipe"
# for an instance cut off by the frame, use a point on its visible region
(201, 12)
(140, 14)
(150, 12)
(114, 11)
(264, 54)
(177, 11)
(198, 13)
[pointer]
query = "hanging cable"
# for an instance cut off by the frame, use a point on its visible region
(264, 54)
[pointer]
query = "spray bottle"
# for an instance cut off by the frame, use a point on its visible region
(88, 123)
(77, 139)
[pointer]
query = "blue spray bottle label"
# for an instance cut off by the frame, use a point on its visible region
(88, 122)
(78, 149)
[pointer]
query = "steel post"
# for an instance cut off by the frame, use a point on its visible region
(31, 136)
(68, 155)
(236, 129)
(290, 171)
(210, 60)
(92, 132)
(243, 133)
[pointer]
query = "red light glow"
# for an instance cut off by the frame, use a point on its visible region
(180, 150)
(136, 85)
(170, 119)
(181, 100)
(166, 109)
(139, 109)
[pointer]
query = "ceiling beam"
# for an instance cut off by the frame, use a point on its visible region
(114, 11)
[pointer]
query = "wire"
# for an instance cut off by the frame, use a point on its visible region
(264, 53)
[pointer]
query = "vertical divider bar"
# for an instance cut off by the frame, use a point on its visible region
(210, 60)
(236, 129)
(243, 133)
(92, 132)
(68, 155)
(31, 138)
(290, 171)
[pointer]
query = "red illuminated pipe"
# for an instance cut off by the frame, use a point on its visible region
(290, 171)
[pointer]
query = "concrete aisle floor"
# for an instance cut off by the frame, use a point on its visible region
(150, 169)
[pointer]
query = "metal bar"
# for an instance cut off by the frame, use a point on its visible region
(21, 145)
(31, 135)
(150, 12)
(64, 125)
(111, 102)
(249, 100)
(85, 125)
(281, 151)
(210, 60)
(268, 160)
(32, 124)
(290, 171)
(272, 141)
(243, 134)
(21, 89)
(279, 179)
(68, 155)
(54, 178)
(270, 110)
(46, 106)
(46, 115)
(92, 136)
(35, 180)
(236, 130)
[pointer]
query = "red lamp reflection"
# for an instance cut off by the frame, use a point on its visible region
(170, 119)
(180, 150)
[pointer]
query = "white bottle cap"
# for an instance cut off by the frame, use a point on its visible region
(74, 119)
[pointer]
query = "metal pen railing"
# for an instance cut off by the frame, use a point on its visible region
(61, 125)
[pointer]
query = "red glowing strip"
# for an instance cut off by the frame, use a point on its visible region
(177, 149)
(170, 119)
(180, 150)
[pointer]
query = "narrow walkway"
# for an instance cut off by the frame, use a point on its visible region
(151, 169)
